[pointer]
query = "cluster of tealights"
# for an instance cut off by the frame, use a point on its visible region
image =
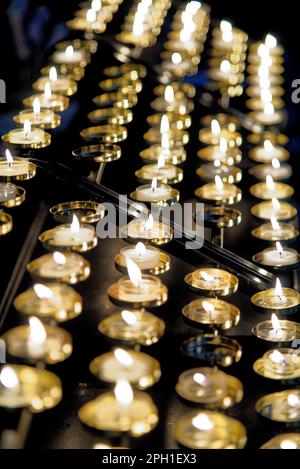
(186, 40)
(207, 386)
(94, 15)
(143, 23)
(227, 62)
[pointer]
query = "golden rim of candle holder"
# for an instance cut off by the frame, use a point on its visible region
(103, 153)
(57, 103)
(289, 212)
(165, 237)
(292, 295)
(271, 406)
(116, 329)
(176, 156)
(275, 138)
(123, 84)
(278, 118)
(178, 121)
(116, 99)
(51, 124)
(35, 269)
(39, 390)
(259, 259)
(214, 349)
(229, 282)
(87, 211)
(6, 223)
(254, 156)
(259, 171)
(171, 199)
(208, 138)
(92, 415)
(145, 40)
(36, 145)
(69, 90)
(233, 176)
(230, 199)
(260, 230)
(72, 71)
(284, 324)
(141, 175)
(260, 191)
(90, 45)
(70, 308)
(111, 115)
(47, 238)
(224, 316)
(110, 133)
(28, 174)
(117, 298)
(186, 89)
(223, 390)
(162, 266)
(219, 217)
(17, 339)
(277, 441)
(266, 372)
(127, 68)
(144, 381)
(175, 135)
(161, 105)
(225, 120)
(231, 157)
(226, 433)
(17, 200)
(256, 104)
(81, 24)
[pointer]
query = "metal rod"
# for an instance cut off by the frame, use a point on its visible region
(100, 173)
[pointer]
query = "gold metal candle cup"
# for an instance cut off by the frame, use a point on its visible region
(67, 88)
(104, 414)
(276, 407)
(56, 348)
(254, 155)
(135, 231)
(229, 195)
(148, 172)
(116, 99)
(206, 136)
(146, 330)
(186, 88)
(256, 104)
(280, 191)
(261, 258)
(111, 115)
(127, 68)
(228, 174)
(176, 136)
(260, 171)
(56, 103)
(20, 169)
(225, 120)
(47, 119)
(178, 121)
(162, 266)
(17, 200)
(283, 441)
(226, 432)
(81, 24)
(39, 390)
(125, 293)
(71, 71)
(171, 198)
(212, 152)
(285, 370)
(47, 238)
(216, 389)
(110, 133)
(254, 91)
(222, 283)
(6, 223)
(219, 217)
(75, 269)
(64, 304)
(145, 40)
(263, 119)
(123, 84)
(224, 315)
(87, 211)
(266, 232)
(88, 45)
(144, 372)
(103, 153)
(176, 155)
(268, 301)
(265, 331)
(42, 140)
(265, 210)
(161, 105)
(214, 349)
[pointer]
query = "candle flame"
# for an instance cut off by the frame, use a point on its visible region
(91, 16)
(266, 95)
(225, 66)
(123, 357)
(293, 400)
(8, 157)
(270, 41)
(134, 272)
(96, 5)
(138, 27)
(202, 422)
(123, 392)
(270, 183)
(27, 128)
(207, 277)
(47, 90)
(176, 58)
(276, 325)
(275, 224)
(164, 124)
(263, 71)
(264, 82)
(129, 317)
(275, 163)
(42, 292)
(219, 183)
(269, 109)
(263, 51)
(154, 184)
(278, 288)
(59, 258)
(199, 378)
(52, 74)
(225, 26)
(149, 224)
(279, 247)
(169, 94)
(8, 377)
(69, 51)
(36, 107)
(185, 34)
(223, 145)
(275, 203)
(217, 163)
(193, 6)
(208, 307)
(215, 127)
(276, 356)
(75, 225)
(161, 161)
(37, 334)
(140, 249)
(165, 142)
(288, 444)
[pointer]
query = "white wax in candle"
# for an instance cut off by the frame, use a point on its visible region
(147, 194)
(268, 119)
(147, 290)
(146, 260)
(273, 257)
(151, 171)
(60, 57)
(50, 269)
(283, 172)
(62, 83)
(45, 116)
(113, 370)
(64, 236)
(136, 229)
(266, 155)
(17, 136)
(16, 168)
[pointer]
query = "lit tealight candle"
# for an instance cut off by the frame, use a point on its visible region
(59, 84)
(16, 167)
(270, 189)
(68, 267)
(150, 229)
(146, 257)
(48, 100)
(284, 300)
(276, 170)
(155, 193)
(278, 256)
(275, 231)
(219, 193)
(73, 235)
(27, 137)
(275, 330)
(69, 56)
(267, 152)
(282, 211)
(268, 116)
